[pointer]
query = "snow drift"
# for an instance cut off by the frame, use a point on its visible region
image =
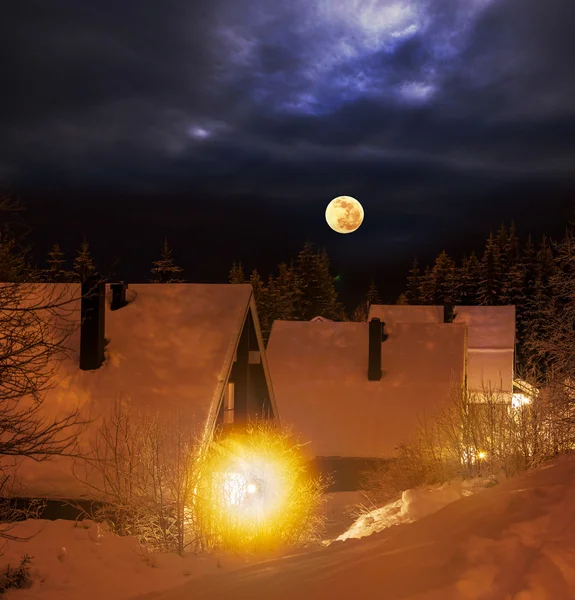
(515, 541)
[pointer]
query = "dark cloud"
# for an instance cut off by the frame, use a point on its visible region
(412, 105)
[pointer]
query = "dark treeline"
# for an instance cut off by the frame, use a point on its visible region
(508, 271)
(60, 270)
(301, 290)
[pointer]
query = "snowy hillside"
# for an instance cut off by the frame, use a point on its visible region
(515, 541)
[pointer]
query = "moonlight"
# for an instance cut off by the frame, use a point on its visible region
(344, 214)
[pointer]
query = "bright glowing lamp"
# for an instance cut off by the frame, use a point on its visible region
(255, 490)
(519, 400)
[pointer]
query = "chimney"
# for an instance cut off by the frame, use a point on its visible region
(92, 327)
(375, 340)
(118, 295)
(448, 314)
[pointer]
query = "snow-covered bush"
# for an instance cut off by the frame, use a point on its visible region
(142, 468)
(476, 434)
(16, 577)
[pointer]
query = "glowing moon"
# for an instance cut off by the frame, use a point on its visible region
(344, 214)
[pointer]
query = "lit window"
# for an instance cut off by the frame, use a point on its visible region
(229, 405)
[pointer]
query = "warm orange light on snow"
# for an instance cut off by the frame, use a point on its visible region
(256, 492)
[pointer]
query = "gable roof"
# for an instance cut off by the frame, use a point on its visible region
(319, 371)
(172, 346)
(490, 338)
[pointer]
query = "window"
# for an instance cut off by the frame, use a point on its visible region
(229, 405)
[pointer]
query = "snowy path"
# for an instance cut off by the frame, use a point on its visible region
(512, 542)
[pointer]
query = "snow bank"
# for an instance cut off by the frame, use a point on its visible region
(514, 541)
(340, 510)
(84, 560)
(413, 504)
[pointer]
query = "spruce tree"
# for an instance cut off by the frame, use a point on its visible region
(538, 305)
(402, 300)
(14, 266)
(490, 281)
(413, 293)
(237, 273)
(165, 270)
(469, 277)
(56, 261)
(361, 312)
(427, 287)
(359, 315)
(372, 295)
(286, 292)
(265, 311)
(83, 263)
(525, 302)
(444, 280)
(316, 293)
(552, 353)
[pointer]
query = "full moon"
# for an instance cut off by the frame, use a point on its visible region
(344, 214)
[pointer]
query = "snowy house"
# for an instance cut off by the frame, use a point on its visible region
(353, 392)
(195, 347)
(490, 339)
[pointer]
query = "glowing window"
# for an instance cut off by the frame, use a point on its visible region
(229, 405)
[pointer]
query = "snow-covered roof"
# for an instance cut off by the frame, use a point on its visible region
(490, 338)
(319, 370)
(172, 346)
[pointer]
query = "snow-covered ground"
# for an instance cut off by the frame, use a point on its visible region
(514, 541)
(413, 505)
(83, 561)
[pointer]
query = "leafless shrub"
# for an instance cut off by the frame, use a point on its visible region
(35, 327)
(141, 468)
(476, 434)
(16, 577)
(12, 511)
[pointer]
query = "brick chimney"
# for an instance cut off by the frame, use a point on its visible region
(374, 372)
(448, 314)
(118, 295)
(92, 327)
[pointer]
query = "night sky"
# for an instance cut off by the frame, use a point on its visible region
(229, 125)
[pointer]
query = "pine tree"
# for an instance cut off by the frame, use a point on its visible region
(444, 280)
(427, 287)
(165, 270)
(372, 295)
(359, 315)
(538, 304)
(237, 273)
(413, 292)
(83, 263)
(286, 292)
(469, 278)
(525, 305)
(262, 303)
(316, 293)
(511, 280)
(490, 282)
(402, 300)
(553, 351)
(56, 261)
